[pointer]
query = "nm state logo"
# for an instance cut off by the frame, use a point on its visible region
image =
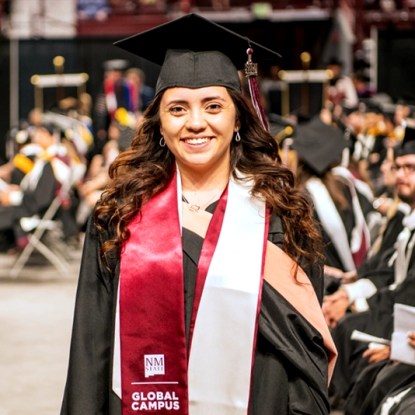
(153, 365)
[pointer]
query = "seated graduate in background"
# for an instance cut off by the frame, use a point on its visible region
(21, 152)
(381, 379)
(319, 148)
(392, 210)
(37, 189)
(378, 317)
(176, 246)
(399, 401)
(20, 161)
(377, 270)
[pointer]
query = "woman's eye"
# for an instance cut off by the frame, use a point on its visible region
(176, 110)
(214, 107)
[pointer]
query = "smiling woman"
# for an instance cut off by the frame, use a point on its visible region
(198, 127)
(200, 230)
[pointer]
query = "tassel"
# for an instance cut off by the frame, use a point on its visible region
(251, 72)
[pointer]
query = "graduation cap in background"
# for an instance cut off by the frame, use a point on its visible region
(407, 146)
(195, 52)
(281, 127)
(319, 145)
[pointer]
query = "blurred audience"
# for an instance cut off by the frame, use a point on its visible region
(93, 9)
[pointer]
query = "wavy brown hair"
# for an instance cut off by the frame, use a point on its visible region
(145, 168)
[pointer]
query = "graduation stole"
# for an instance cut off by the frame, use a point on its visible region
(158, 373)
(360, 240)
(331, 221)
(286, 277)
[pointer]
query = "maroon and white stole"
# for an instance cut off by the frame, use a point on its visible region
(153, 371)
(158, 374)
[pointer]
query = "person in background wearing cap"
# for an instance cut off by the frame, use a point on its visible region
(200, 280)
(374, 298)
(337, 203)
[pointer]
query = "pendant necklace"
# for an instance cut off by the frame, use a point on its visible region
(196, 205)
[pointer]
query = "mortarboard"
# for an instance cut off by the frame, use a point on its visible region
(319, 145)
(195, 52)
(281, 127)
(407, 146)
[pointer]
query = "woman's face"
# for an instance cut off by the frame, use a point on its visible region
(198, 126)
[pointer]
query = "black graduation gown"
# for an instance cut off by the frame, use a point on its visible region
(371, 267)
(376, 382)
(405, 406)
(290, 369)
(378, 321)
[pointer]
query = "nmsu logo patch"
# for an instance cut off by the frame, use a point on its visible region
(153, 365)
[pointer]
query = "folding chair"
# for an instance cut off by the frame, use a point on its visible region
(36, 239)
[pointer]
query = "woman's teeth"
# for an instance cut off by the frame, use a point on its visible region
(200, 140)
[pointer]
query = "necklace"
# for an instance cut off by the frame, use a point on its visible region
(197, 201)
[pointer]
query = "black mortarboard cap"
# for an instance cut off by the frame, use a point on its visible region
(319, 145)
(195, 52)
(407, 146)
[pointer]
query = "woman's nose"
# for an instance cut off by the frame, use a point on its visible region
(196, 120)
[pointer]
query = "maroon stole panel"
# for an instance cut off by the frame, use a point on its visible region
(152, 328)
(154, 357)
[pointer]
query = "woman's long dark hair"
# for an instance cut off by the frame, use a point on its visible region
(146, 168)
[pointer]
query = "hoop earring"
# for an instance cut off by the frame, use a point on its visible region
(237, 137)
(162, 143)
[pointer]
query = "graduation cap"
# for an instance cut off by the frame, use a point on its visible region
(319, 145)
(195, 52)
(281, 127)
(407, 146)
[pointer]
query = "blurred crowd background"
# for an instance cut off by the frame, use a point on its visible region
(339, 100)
(62, 78)
(61, 72)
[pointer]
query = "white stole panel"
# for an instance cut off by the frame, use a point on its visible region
(331, 221)
(404, 247)
(221, 355)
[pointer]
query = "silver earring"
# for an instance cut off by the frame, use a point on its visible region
(237, 137)
(162, 143)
